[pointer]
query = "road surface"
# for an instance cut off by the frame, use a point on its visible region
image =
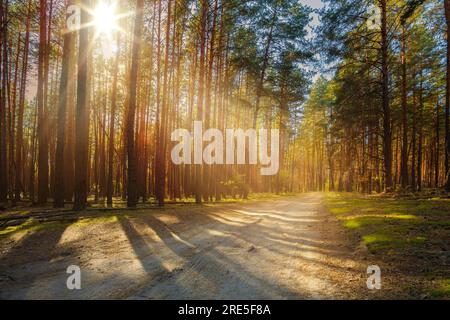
(284, 249)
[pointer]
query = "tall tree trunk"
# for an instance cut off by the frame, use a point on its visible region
(207, 176)
(82, 114)
(160, 170)
(131, 115)
(19, 135)
(3, 119)
(404, 159)
(437, 146)
(414, 140)
(43, 168)
(387, 136)
(13, 170)
(200, 97)
(112, 122)
(420, 146)
(62, 116)
(447, 98)
(69, 149)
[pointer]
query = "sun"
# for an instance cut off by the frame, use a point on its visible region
(105, 18)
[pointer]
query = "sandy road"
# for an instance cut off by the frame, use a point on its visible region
(284, 249)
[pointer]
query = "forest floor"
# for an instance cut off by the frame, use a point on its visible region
(293, 247)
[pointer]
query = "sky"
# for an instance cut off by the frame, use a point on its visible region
(315, 4)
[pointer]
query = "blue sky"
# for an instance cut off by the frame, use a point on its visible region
(315, 4)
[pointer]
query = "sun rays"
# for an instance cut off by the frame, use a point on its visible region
(105, 18)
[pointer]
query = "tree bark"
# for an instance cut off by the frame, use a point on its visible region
(387, 136)
(109, 190)
(3, 124)
(200, 97)
(19, 134)
(82, 114)
(62, 115)
(404, 157)
(447, 99)
(131, 116)
(42, 112)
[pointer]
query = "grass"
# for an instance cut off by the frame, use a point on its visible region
(385, 223)
(33, 225)
(28, 225)
(412, 232)
(442, 290)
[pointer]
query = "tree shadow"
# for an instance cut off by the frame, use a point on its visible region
(30, 260)
(214, 270)
(205, 264)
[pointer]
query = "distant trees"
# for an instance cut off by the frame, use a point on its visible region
(99, 127)
(228, 64)
(386, 118)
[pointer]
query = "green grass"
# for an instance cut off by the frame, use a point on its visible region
(28, 225)
(32, 225)
(442, 290)
(410, 231)
(387, 223)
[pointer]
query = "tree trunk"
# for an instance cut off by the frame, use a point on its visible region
(387, 137)
(200, 97)
(404, 160)
(42, 112)
(447, 98)
(414, 140)
(61, 124)
(82, 114)
(109, 190)
(19, 134)
(437, 146)
(131, 115)
(160, 157)
(3, 124)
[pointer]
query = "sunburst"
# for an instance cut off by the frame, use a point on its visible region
(105, 18)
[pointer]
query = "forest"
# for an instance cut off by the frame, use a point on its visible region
(334, 116)
(87, 111)
(383, 119)
(109, 94)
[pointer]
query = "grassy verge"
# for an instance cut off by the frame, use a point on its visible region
(414, 233)
(33, 225)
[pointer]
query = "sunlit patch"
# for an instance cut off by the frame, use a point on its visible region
(359, 221)
(169, 219)
(216, 233)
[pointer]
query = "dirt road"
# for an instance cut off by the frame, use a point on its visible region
(285, 249)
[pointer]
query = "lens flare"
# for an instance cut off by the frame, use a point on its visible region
(105, 18)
